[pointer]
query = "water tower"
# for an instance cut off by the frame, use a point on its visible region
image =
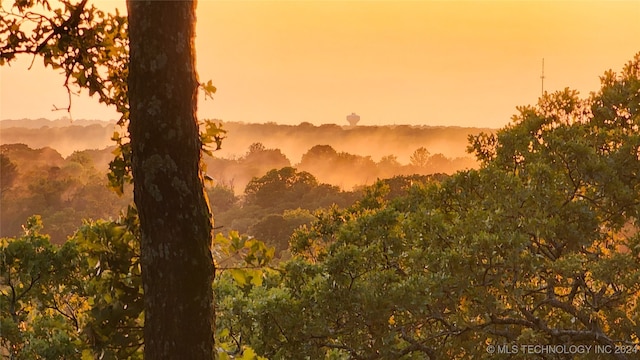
(353, 119)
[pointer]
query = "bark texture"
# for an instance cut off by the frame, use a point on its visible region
(177, 267)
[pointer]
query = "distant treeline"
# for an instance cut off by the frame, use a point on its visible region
(261, 193)
(58, 123)
(67, 136)
(338, 168)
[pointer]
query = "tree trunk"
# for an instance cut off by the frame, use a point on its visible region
(177, 267)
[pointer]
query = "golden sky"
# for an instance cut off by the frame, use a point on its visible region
(459, 63)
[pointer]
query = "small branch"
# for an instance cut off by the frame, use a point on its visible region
(71, 22)
(415, 345)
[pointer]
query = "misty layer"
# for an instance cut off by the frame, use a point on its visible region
(48, 170)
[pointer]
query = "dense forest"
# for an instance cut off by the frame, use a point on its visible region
(244, 191)
(57, 169)
(535, 248)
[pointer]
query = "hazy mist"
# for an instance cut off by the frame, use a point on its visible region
(360, 154)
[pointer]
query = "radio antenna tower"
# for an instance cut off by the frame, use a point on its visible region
(542, 76)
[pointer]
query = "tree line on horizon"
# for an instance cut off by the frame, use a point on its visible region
(293, 140)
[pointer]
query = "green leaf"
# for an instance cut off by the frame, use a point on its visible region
(87, 354)
(209, 89)
(239, 275)
(256, 276)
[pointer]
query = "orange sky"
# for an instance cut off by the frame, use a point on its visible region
(404, 62)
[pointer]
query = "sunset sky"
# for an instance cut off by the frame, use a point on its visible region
(459, 63)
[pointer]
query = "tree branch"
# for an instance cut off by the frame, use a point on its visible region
(65, 27)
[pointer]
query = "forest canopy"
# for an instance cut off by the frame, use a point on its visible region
(538, 246)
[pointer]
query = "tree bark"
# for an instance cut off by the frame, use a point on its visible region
(177, 266)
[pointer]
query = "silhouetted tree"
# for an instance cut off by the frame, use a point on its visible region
(420, 157)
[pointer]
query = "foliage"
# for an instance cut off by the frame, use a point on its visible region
(211, 133)
(8, 173)
(420, 157)
(264, 159)
(93, 50)
(221, 198)
(279, 202)
(279, 186)
(38, 316)
(351, 171)
(83, 299)
(113, 285)
(74, 300)
(62, 191)
(338, 168)
(91, 47)
(539, 246)
(275, 229)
